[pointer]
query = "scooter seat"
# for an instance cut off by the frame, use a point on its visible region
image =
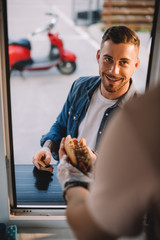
(21, 42)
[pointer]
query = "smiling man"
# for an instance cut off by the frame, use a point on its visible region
(118, 60)
(92, 100)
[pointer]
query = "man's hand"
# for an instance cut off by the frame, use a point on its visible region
(44, 153)
(63, 152)
(61, 148)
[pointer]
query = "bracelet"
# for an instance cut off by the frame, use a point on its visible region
(70, 184)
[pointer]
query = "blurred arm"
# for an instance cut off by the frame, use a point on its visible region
(80, 219)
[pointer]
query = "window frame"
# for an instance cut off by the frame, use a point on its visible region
(153, 74)
(26, 216)
(35, 216)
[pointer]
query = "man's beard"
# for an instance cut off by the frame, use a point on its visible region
(111, 88)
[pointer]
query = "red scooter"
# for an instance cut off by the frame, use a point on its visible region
(20, 53)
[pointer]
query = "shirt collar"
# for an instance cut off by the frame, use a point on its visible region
(131, 92)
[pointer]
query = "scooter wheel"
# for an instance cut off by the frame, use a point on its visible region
(66, 67)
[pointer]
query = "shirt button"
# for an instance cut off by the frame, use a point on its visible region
(74, 118)
(100, 132)
(107, 114)
(69, 113)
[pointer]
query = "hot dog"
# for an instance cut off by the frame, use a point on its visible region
(78, 153)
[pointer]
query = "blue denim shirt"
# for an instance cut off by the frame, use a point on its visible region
(75, 108)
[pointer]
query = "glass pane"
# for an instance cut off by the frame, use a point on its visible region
(37, 95)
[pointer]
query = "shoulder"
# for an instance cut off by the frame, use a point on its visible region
(145, 102)
(143, 115)
(131, 94)
(84, 84)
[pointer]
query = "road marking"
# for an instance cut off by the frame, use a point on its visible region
(83, 35)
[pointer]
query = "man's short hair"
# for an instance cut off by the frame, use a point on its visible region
(121, 34)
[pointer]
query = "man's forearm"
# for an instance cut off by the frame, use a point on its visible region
(50, 144)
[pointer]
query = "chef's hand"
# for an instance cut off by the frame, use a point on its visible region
(69, 173)
(45, 154)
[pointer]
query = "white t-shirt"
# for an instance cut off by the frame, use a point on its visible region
(91, 123)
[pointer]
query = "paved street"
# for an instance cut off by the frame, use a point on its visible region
(37, 97)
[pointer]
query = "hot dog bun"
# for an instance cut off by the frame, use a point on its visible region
(78, 153)
(70, 149)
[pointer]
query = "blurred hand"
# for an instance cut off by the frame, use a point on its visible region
(44, 153)
(66, 172)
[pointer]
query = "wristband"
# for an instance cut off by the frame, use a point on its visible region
(70, 184)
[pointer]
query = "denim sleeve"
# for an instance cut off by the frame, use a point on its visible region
(59, 128)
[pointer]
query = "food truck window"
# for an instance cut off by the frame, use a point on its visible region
(36, 93)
